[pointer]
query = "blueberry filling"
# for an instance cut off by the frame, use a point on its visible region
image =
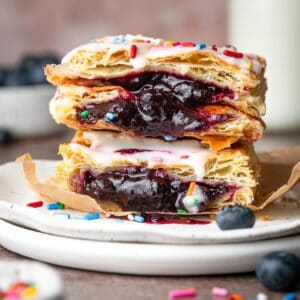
(158, 104)
(143, 189)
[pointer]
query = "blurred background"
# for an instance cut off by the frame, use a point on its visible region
(34, 33)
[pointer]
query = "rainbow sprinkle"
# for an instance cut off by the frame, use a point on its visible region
(290, 296)
(188, 44)
(84, 114)
(56, 205)
(200, 46)
(261, 296)
(191, 189)
(169, 43)
(120, 40)
(187, 293)
(19, 290)
(139, 219)
(233, 54)
(219, 292)
(130, 217)
(133, 51)
(236, 297)
(119, 221)
(35, 204)
(91, 216)
(62, 215)
(110, 116)
(51, 206)
(169, 138)
(214, 47)
(61, 205)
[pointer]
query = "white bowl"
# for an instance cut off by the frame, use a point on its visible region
(24, 110)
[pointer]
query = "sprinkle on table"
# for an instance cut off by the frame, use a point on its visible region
(84, 114)
(133, 51)
(181, 211)
(19, 290)
(91, 216)
(29, 292)
(290, 296)
(233, 54)
(187, 293)
(236, 297)
(219, 292)
(261, 296)
(35, 204)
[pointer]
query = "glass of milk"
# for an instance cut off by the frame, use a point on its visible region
(271, 28)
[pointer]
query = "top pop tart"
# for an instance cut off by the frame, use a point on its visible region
(157, 88)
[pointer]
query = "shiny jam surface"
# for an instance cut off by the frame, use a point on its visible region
(143, 189)
(158, 104)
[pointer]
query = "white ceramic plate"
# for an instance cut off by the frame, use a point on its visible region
(15, 194)
(138, 258)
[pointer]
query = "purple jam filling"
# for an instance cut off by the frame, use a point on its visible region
(158, 104)
(131, 151)
(143, 189)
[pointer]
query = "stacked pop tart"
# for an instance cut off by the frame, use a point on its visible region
(161, 126)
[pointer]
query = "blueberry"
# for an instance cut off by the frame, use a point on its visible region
(3, 74)
(29, 62)
(5, 136)
(48, 59)
(33, 66)
(36, 75)
(235, 217)
(279, 271)
(16, 77)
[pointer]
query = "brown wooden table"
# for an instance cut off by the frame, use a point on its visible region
(84, 285)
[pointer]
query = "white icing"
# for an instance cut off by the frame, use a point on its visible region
(189, 201)
(104, 146)
(155, 48)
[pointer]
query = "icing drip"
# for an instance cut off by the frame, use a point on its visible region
(108, 147)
